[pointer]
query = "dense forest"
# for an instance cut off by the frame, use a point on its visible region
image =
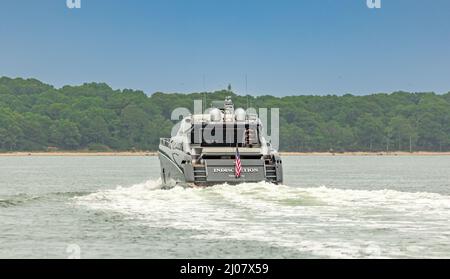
(37, 117)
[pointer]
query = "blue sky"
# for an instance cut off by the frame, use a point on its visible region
(285, 47)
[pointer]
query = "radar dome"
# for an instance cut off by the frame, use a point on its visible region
(216, 114)
(240, 114)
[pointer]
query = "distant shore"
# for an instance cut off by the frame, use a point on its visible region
(77, 153)
(152, 153)
(395, 153)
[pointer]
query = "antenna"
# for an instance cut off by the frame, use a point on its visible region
(246, 87)
(246, 84)
(204, 94)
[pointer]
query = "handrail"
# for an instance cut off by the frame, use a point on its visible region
(165, 142)
(170, 144)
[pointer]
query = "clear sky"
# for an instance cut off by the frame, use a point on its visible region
(285, 47)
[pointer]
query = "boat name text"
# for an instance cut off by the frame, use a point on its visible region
(231, 170)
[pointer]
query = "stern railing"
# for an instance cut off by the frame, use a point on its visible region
(165, 142)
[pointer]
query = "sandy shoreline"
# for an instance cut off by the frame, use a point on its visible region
(419, 153)
(150, 153)
(80, 154)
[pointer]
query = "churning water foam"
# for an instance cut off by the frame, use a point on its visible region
(316, 222)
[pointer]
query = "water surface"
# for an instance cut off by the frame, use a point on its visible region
(329, 207)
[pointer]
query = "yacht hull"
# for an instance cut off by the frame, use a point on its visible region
(177, 170)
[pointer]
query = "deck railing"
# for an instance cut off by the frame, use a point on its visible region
(165, 142)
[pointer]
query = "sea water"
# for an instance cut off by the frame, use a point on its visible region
(329, 207)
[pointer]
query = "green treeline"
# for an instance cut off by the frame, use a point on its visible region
(35, 116)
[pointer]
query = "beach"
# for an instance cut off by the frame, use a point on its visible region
(77, 154)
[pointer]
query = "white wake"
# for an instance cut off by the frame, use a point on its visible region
(320, 222)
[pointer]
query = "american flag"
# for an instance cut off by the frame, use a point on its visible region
(237, 164)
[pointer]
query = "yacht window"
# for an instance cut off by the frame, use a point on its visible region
(220, 135)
